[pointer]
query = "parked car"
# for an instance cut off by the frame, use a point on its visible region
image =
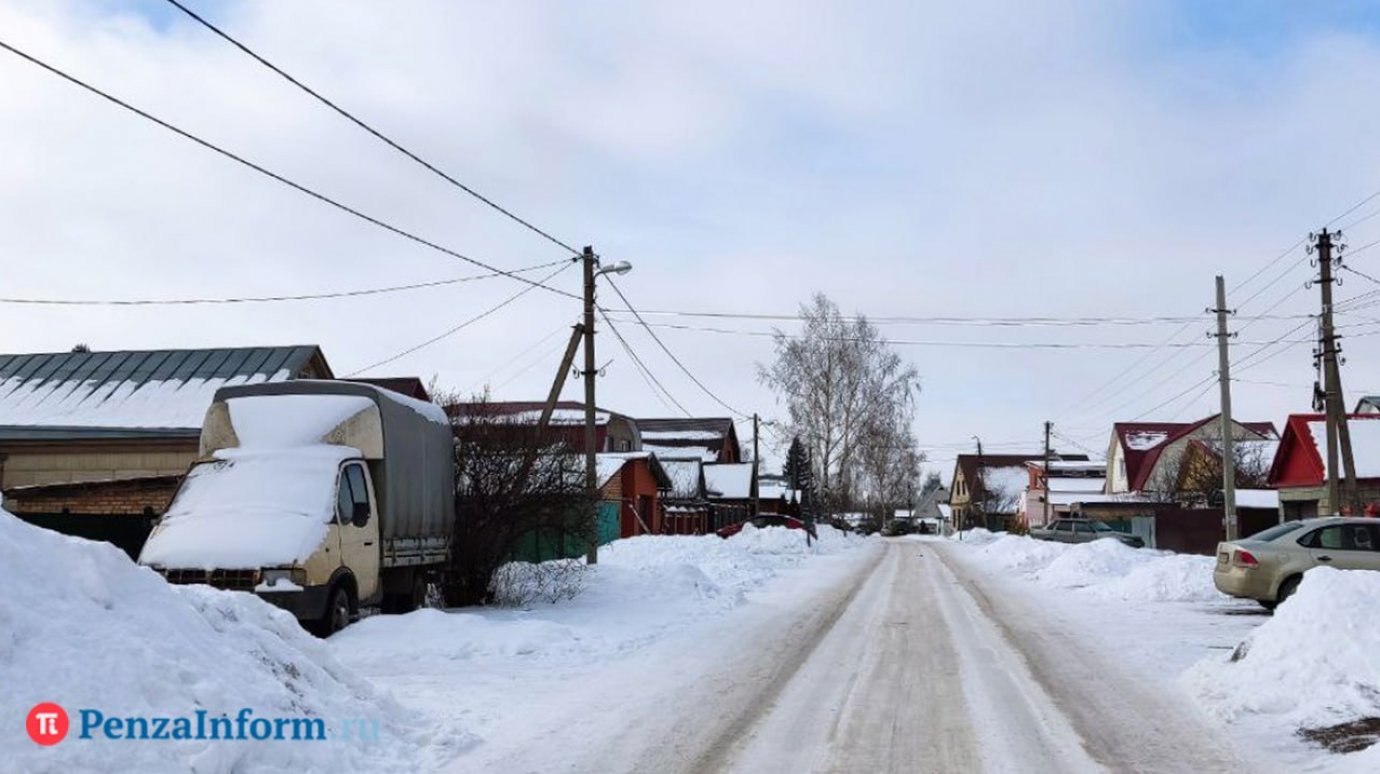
(765, 520)
(1268, 565)
(1083, 531)
(897, 527)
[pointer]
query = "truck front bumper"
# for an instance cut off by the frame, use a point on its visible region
(308, 604)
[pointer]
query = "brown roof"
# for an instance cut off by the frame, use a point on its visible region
(968, 463)
(1139, 462)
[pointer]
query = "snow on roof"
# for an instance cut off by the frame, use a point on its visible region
(1257, 498)
(1365, 443)
(685, 478)
(945, 510)
(1143, 440)
(680, 452)
(681, 435)
(161, 389)
(1008, 481)
(560, 416)
(1079, 484)
(774, 491)
(727, 481)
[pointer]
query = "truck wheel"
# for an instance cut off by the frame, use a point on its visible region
(419, 586)
(339, 607)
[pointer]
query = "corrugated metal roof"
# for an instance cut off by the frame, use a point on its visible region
(67, 395)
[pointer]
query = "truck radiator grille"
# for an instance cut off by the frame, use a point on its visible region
(230, 580)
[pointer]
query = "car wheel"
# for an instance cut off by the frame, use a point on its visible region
(1287, 589)
(339, 608)
(1268, 605)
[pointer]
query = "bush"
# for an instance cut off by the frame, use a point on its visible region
(519, 584)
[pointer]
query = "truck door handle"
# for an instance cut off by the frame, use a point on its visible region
(1324, 558)
(368, 542)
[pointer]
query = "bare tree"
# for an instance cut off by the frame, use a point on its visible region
(1193, 477)
(842, 385)
(514, 488)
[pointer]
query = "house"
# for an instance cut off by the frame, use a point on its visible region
(1299, 471)
(636, 481)
(932, 506)
(732, 490)
(775, 495)
(714, 439)
(613, 432)
(686, 504)
(410, 386)
(1149, 456)
(988, 489)
(94, 444)
(1054, 493)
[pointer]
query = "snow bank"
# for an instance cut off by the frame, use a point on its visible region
(1313, 664)
(1105, 568)
(82, 626)
(642, 589)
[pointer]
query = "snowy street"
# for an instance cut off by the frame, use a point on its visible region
(902, 655)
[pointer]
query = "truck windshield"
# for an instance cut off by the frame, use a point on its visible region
(282, 482)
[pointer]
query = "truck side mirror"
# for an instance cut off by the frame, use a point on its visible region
(360, 516)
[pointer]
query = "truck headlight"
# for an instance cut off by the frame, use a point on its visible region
(283, 577)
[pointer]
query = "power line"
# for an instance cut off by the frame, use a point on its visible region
(265, 299)
(466, 323)
(371, 130)
(957, 321)
(499, 368)
(274, 175)
(647, 375)
(668, 352)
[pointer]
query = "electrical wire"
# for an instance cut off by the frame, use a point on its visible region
(274, 175)
(265, 299)
(668, 351)
(1003, 322)
(642, 368)
(371, 130)
(463, 325)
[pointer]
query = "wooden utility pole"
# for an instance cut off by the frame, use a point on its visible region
(591, 458)
(1048, 427)
(1338, 433)
(1229, 524)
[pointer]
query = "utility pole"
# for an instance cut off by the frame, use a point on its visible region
(1338, 433)
(591, 460)
(755, 467)
(1048, 427)
(1229, 523)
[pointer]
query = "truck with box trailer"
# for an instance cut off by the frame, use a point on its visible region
(321, 497)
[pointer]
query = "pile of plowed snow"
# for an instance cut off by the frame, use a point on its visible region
(642, 589)
(1312, 665)
(1103, 568)
(84, 627)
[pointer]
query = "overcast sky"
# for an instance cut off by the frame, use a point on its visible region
(999, 159)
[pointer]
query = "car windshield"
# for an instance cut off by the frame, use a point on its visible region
(1277, 531)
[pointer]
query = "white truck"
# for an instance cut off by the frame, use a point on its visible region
(319, 496)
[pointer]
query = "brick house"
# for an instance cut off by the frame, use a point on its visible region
(715, 439)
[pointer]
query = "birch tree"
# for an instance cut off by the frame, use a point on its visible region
(850, 399)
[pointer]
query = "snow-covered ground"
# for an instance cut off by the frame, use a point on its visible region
(536, 685)
(484, 689)
(84, 627)
(1312, 664)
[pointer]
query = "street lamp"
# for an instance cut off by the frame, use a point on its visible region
(592, 270)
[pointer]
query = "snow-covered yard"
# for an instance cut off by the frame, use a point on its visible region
(1311, 665)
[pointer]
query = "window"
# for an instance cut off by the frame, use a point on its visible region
(1063, 526)
(353, 490)
(1342, 537)
(1277, 531)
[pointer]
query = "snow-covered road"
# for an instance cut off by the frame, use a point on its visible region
(896, 656)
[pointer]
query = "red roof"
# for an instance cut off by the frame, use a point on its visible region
(1299, 462)
(1140, 461)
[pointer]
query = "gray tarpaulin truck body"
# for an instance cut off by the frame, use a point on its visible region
(409, 449)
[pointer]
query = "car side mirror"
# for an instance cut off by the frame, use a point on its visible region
(360, 516)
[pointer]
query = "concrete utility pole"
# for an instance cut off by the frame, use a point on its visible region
(591, 458)
(1338, 433)
(756, 506)
(1229, 524)
(1048, 427)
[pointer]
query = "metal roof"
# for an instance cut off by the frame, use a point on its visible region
(133, 393)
